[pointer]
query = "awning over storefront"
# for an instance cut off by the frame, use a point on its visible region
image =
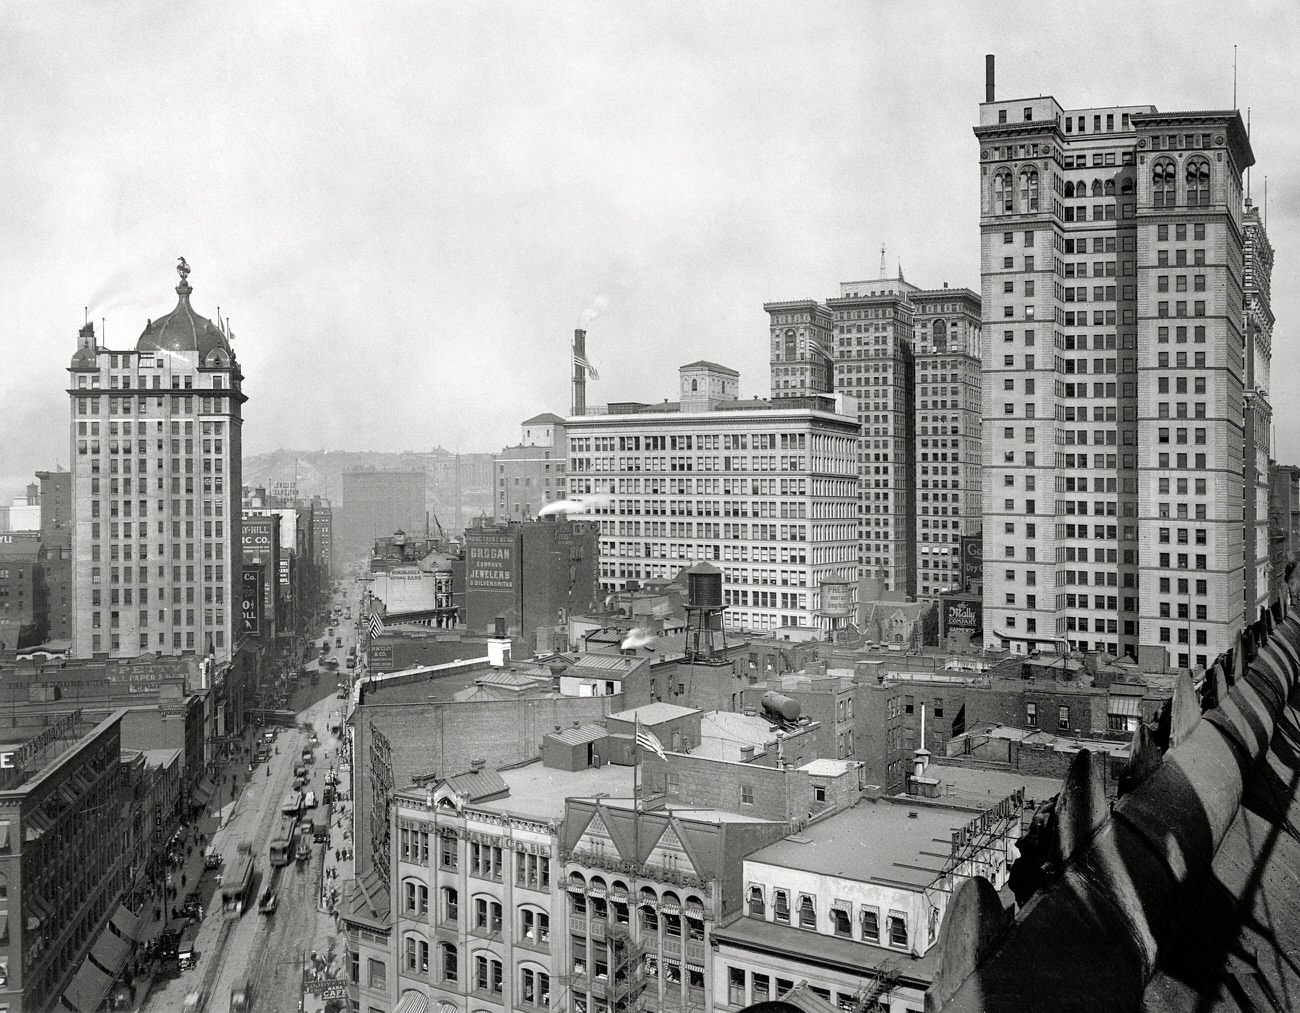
(88, 988)
(126, 923)
(203, 791)
(414, 1002)
(111, 951)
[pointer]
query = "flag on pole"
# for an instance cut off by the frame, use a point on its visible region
(647, 739)
(376, 626)
(581, 360)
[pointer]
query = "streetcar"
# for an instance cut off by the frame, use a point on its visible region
(292, 804)
(284, 841)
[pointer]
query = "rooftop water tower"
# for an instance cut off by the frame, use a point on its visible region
(705, 644)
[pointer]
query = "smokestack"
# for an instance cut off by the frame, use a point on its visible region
(988, 78)
(579, 372)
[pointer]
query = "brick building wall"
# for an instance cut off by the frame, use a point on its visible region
(753, 789)
(444, 738)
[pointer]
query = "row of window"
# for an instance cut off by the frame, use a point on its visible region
(840, 917)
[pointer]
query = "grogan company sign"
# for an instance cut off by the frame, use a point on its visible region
(490, 564)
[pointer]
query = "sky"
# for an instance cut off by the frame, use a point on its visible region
(405, 209)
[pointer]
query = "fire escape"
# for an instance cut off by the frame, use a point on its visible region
(867, 999)
(619, 987)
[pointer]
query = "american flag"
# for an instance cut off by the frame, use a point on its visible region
(376, 626)
(580, 360)
(648, 740)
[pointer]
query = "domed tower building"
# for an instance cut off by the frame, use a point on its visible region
(156, 478)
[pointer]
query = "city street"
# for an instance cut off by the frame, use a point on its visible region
(270, 951)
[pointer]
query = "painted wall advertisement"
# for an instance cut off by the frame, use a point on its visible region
(261, 543)
(252, 596)
(490, 563)
(972, 561)
(962, 615)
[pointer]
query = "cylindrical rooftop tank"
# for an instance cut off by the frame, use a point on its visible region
(782, 705)
(704, 586)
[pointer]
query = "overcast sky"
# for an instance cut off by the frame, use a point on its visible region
(405, 209)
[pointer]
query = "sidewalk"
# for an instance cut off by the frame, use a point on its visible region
(334, 872)
(189, 875)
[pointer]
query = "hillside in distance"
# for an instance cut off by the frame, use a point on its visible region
(458, 487)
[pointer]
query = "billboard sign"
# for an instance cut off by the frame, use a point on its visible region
(837, 599)
(251, 598)
(490, 563)
(962, 615)
(381, 657)
(259, 537)
(972, 560)
(261, 544)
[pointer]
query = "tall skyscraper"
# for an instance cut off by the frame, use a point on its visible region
(875, 360)
(801, 348)
(1112, 249)
(156, 476)
(1258, 418)
(949, 439)
(910, 359)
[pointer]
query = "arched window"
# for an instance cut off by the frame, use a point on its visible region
(695, 385)
(415, 952)
(1198, 183)
(450, 905)
(535, 926)
(1002, 200)
(1096, 188)
(1069, 189)
(416, 897)
(1110, 188)
(448, 963)
(1029, 189)
(534, 986)
(1126, 185)
(1163, 184)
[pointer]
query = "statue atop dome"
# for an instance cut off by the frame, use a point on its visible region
(183, 269)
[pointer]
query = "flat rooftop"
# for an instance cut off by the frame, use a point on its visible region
(723, 734)
(653, 713)
(436, 688)
(880, 842)
(685, 812)
(538, 792)
(984, 787)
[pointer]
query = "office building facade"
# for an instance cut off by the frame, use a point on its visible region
(767, 493)
(156, 451)
(1112, 252)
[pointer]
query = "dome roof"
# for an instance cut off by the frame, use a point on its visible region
(183, 330)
